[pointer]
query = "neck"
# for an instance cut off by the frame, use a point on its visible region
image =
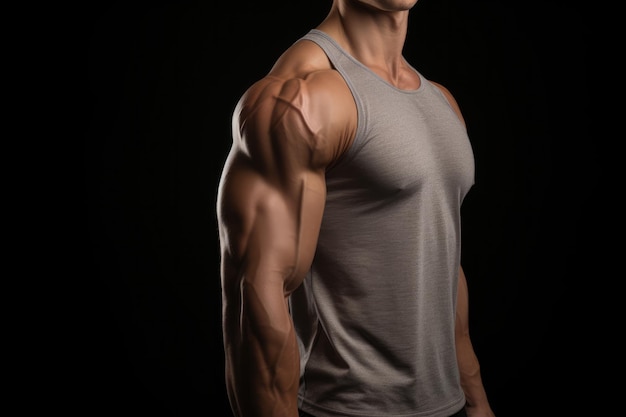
(373, 36)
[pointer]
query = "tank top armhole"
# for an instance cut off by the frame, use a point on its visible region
(332, 51)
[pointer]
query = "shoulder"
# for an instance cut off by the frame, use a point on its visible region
(448, 95)
(303, 104)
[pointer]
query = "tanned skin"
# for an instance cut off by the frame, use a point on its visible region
(288, 128)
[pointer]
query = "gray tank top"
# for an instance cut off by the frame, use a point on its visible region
(375, 315)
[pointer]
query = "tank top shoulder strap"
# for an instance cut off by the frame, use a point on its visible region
(328, 44)
(352, 72)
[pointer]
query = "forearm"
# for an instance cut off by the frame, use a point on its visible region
(262, 360)
(477, 404)
(469, 369)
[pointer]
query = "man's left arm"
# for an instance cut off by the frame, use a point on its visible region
(477, 404)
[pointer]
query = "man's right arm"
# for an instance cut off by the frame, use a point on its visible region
(270, 203)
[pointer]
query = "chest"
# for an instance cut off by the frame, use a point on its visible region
(407, 145)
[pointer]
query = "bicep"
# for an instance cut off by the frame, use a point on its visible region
(268, 231)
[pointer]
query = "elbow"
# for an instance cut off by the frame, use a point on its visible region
(264, 307)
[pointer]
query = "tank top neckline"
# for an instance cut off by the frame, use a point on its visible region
(367, 69)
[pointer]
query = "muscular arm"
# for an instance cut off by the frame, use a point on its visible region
(270, 204)
(477, 404)
(469, 367)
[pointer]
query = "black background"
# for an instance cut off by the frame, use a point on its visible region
(163, 79)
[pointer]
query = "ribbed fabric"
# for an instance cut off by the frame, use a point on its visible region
(375, 316)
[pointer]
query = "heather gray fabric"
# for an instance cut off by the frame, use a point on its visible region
(375, 315)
